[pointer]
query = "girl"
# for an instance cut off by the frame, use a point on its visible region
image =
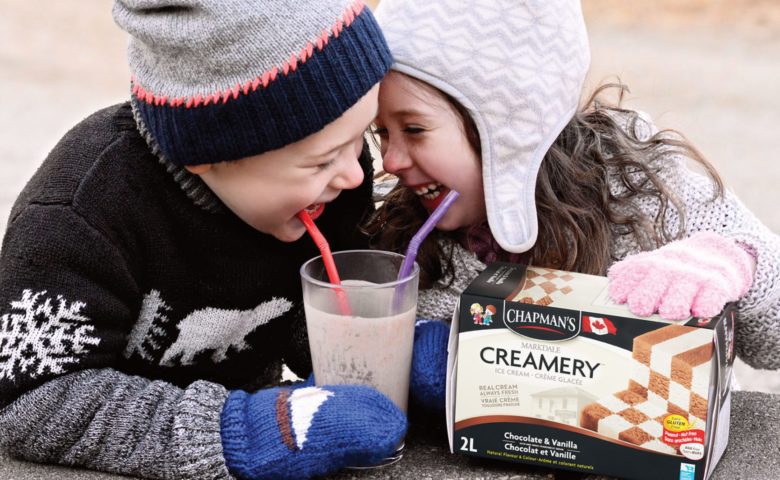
(149, 285)
(483, 98)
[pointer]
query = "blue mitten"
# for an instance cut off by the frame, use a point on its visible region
(309, 431)
(429, 364)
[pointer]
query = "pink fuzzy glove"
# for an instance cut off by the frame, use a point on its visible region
(694, 276)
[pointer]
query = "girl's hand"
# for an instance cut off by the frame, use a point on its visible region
(694, 276)
(429, 365)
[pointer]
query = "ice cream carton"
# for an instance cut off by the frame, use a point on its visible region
(545, 369)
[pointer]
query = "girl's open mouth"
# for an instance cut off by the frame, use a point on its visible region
(431, 194)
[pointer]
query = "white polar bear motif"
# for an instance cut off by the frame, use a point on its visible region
(219, 330)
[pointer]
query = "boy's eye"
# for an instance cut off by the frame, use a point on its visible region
(381, 131)
(324, 165)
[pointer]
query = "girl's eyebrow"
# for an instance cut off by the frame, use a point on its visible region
(408, 112)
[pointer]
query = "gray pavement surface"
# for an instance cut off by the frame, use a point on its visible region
(753, 453)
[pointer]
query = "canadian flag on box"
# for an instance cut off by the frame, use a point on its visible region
(598, 325)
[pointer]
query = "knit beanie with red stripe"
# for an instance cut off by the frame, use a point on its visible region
(219, 80)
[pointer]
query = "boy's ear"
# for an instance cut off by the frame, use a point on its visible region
(198, 169)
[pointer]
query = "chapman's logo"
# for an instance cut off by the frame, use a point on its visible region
(549, 324)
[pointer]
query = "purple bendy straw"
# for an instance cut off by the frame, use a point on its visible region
(428, 226)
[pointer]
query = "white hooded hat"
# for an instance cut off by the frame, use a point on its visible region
(517, 66)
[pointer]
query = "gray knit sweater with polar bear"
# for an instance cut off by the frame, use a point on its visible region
(132, 301)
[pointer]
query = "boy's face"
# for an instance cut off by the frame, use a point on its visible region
(268, 190)
(423, 142)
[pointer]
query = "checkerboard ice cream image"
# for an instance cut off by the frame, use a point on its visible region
(670, 376)
(672, 366)
(543, 285)
(563, 377)
(630, 417)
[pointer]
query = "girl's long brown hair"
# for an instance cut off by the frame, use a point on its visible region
(576, 210)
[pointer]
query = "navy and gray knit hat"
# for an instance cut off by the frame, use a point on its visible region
(218, 80)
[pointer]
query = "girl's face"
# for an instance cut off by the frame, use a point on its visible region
(268, 190)
(423, 142)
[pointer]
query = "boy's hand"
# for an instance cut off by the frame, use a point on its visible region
(429, 364)
(307, 431)
(695, 276)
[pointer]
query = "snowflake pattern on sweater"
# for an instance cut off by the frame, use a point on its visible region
(41, 335)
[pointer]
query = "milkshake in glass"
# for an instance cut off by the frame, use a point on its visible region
(372, 344)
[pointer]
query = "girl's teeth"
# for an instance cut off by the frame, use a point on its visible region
(428, 191)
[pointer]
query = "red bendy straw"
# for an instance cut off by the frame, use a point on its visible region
(327, 259)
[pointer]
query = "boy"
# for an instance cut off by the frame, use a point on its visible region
(149, 273)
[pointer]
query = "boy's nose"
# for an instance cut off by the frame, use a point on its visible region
(351, 175)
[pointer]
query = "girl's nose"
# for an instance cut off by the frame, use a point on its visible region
(395, 159)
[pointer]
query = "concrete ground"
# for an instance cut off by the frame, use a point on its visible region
(751, 454)
(710, 69)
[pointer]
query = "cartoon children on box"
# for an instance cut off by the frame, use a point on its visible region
(487, 318)
(482, 316)
(476, 312)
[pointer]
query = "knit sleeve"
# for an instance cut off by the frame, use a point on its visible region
(439, 302)
(106, 420)
(758, 326)
(67, 297)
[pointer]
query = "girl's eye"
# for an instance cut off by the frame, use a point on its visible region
(414, 130)
(381, 131)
